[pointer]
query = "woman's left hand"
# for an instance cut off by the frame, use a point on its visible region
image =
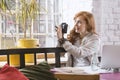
(59, 32)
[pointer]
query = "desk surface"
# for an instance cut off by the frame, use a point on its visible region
(76, 77)
(75, 73)
(79, 73)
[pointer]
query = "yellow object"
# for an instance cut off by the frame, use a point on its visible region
(24, 43)
(14, 60)
(28, 43)
(3, 58)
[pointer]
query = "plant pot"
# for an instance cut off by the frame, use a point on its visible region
(24, 43)
(28, 43)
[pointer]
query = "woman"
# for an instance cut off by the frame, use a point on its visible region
(82, 42)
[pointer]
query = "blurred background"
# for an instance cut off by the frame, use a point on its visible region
(54, 12)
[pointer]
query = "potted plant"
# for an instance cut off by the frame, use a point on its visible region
(28, 11)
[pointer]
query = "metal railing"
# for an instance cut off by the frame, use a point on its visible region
(23, 51)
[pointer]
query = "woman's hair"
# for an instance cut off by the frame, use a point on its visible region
(90, 25)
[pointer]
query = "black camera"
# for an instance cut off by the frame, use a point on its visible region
(64, 27)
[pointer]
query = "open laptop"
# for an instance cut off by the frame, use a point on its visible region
(110, 56)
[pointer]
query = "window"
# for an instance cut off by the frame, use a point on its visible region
(43, 29)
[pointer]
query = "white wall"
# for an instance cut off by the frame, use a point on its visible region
(107, 16)
(71, 7)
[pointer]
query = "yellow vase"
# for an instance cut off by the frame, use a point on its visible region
(24, 43)
(28, 43)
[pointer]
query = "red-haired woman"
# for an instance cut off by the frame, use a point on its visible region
(82, 42)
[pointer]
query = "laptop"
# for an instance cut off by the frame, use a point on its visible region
(110, 57)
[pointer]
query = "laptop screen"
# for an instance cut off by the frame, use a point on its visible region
(110, 56)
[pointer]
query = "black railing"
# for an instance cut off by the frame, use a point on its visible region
(23, 51)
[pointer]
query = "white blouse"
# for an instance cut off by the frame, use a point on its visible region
(82, 50)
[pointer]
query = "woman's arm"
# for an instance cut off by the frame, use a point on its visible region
(90, 47)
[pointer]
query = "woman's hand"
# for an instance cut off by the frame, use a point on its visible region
(59, 32)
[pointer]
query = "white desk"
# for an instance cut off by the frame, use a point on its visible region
(77, 73)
